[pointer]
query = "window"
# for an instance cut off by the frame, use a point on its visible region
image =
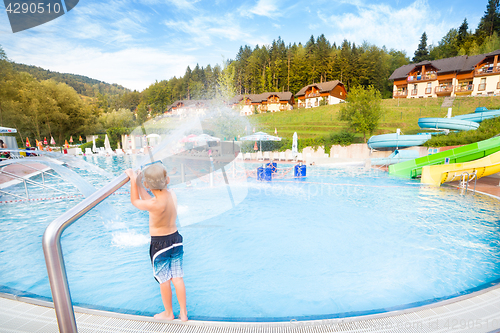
(428, 90)
(482, 85)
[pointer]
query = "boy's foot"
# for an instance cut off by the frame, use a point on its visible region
(183, 317)
(164, 316)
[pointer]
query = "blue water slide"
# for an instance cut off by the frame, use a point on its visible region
(397, 140)
(479, 116)
(396, 157)
(448, 123)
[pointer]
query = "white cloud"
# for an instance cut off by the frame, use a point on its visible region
(268, 8)
(382, 24)
(134, 68)
(204, 29)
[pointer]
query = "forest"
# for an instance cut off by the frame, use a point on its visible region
(41, 103)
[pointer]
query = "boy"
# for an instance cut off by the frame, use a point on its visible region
(166, 249)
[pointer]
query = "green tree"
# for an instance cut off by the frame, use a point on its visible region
(142, 113)
(422, 53)
(362, 110)
(490, 22)
(225, 83)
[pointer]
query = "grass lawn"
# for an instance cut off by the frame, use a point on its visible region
(397, 113)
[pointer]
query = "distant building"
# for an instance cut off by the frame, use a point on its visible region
(458, 76)
(332, 92)
(265, 102)
(192, 107)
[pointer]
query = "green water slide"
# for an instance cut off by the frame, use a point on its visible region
(474, 151)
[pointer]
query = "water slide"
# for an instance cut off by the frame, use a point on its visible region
(439, 174)
(397, 140)
(473, 151)
(396, 157)
(448, 124)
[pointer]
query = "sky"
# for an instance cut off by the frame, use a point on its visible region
(137, 42)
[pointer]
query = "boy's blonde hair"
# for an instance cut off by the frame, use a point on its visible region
(155, 176)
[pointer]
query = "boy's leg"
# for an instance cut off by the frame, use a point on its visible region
(166, 297)
(180, 291)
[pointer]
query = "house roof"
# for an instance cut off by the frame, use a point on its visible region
(323, 87)
(259, 98)
(455, 64)
(191, 103)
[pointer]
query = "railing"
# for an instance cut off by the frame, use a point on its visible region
(51, 243)
(422, 77)
(481, 87)
(400, 93)
(312, 95)
(464, 88)
(487, 70)
(444, 89)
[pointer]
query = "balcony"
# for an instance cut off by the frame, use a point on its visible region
(400, 94)
(426, 77)
(464, 89)
(444, 90)
(487, 70)
(312, 95)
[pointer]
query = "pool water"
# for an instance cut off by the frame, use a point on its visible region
(340, 242)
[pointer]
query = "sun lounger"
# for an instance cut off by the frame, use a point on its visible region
(299, 157)
(276, 156)
(282, 156)
(88, 151)
(128, 151)
(239, 157)
(267, 156)
(119, 152)
(259, 156)
(248, 156)
(289, 156)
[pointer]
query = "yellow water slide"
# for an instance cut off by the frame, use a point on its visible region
(439, 174)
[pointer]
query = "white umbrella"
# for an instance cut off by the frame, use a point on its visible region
(107, 145)
(94, 148)
(153, 139)
(7, 130)
(295, 150)
(205, 138)
(260, 136)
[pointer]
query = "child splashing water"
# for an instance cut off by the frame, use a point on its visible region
(166, 248)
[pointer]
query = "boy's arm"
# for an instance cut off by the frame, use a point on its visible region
(143, 194)
(134, 193)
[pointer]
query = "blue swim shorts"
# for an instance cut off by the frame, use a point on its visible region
(166, 256)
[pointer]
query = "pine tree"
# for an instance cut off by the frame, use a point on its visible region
(422, 53)
(463, 33)
(490, 22)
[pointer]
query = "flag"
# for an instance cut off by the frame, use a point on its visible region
(45, 141)
(71, 139)
(39, 145)
(80, 138)
(254, 129)
(66, 144)
(27, 142)
(255, 146)
(275, 130)
(52, 141)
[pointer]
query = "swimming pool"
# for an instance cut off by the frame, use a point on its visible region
(340, 242)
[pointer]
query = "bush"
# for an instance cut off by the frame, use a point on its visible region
(98, 143)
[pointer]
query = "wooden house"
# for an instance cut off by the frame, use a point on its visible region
(458, 76)
(266, 102)
(331, 92)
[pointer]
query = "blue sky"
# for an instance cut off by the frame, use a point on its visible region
(135, 42)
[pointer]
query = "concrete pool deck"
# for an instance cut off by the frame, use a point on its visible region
(475, 312)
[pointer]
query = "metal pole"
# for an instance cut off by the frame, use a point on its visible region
(182, 173)
(51, 243)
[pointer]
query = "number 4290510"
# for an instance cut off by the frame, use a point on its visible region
(24, 8)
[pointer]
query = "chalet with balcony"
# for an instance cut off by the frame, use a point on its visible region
(331, 92)
(458, 76)
(266, 102)
(189, 107)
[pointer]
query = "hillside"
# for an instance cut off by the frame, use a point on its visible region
(83, 85)
(398, 113)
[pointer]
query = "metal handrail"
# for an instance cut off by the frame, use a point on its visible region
(51, 243)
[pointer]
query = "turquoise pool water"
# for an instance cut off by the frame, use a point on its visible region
(340, 242)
